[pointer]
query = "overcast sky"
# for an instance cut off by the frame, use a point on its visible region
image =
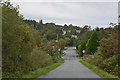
(68, 12)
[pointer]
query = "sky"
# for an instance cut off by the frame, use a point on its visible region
(78, 12)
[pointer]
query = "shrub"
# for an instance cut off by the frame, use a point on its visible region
(110, 65)
(39, 58)
(97, 57)
(109, 54)
(89, 59)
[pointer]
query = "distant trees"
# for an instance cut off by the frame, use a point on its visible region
(82, 40)
(65, 27)
(92, 43)
(41, 22)
(40, 25)
(51, 35)
(49, 31)
(31, 22)
(67, 41)
(85, 29)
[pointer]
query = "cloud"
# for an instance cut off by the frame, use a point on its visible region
(64, 0)
(77, 13)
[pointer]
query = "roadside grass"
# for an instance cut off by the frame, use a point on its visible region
(80, 57)
(99, 72)
(42, 71)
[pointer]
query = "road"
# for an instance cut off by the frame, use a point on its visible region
(71, 68)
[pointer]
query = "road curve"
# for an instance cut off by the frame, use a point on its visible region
(71, 68)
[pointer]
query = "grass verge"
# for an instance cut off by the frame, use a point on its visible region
(42, 71)
(80, 57)
(98, 71)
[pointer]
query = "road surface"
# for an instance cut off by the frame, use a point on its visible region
(71, 68)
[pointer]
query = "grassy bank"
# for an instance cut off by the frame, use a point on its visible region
(98, 71)
(42, 71)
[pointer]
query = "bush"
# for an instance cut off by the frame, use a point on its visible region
(89, 59)
(97, 57)
(109, 54)
(80, 50)
(39, 58)
(100, 72)
(110, 65)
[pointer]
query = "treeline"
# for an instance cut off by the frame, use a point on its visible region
(103, 45)
(51, 31)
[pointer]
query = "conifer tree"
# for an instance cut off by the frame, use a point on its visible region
(92, 43)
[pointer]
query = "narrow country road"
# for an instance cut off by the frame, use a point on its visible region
(71, 68)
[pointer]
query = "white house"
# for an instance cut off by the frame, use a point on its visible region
(75, 36)
(68, 31)
(64, 32)
(78, 31)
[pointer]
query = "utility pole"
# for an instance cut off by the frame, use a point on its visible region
(57, 37)
(57, 44)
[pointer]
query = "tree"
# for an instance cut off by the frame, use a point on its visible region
(61, 43)
(85, 29)
(67, 40)
(79, 49)
(65, 27)
(73, 41)
(41, 22)
(12, 40)
(82, 40)
(92, 43)
(97, 29)
(73, 32)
